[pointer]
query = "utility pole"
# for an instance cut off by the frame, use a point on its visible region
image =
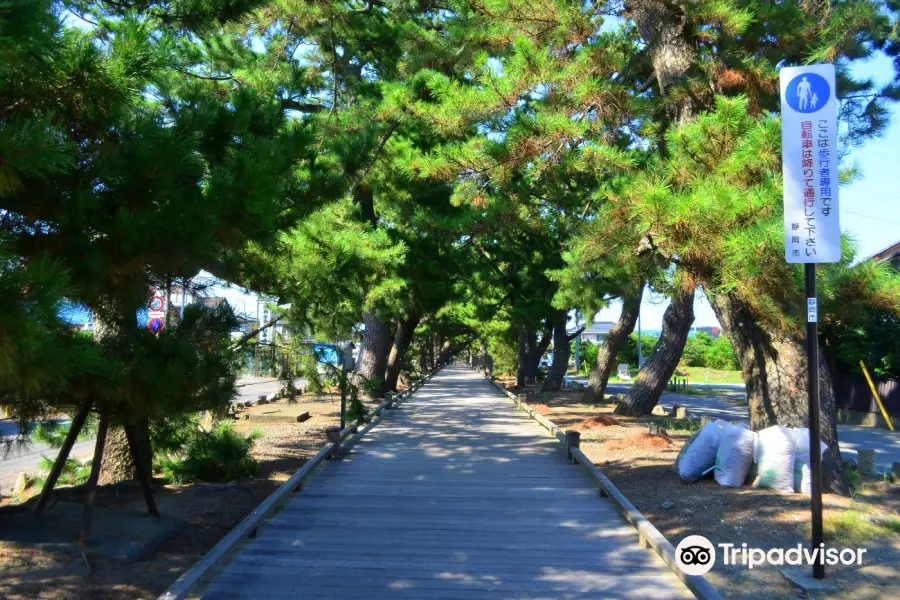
(640, 353)
(181, 312)
(256, 358)
(577, 344)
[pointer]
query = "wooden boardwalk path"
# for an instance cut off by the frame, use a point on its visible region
(455, 495)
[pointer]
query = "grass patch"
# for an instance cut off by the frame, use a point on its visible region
(704, 375)
(692, 391)
(676, 425)
(855, 527)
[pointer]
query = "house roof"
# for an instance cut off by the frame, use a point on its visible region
(74, 313)
(77, 314)
(212, 301)
(890, 253)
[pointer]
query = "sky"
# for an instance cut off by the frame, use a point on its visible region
(869, 207)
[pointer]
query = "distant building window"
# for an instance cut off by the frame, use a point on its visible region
(598, 337)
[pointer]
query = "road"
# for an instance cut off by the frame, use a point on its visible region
(249, 388)
(27, 458)
(729, 405)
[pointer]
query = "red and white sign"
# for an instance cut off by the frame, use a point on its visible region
(156, 311)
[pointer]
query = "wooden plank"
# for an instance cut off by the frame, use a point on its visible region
(248, 524)
(561, 581)
(458, 495)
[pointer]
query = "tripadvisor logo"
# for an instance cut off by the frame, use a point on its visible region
(696, 555)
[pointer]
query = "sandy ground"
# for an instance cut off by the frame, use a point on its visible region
(642, 468)
(209, 510)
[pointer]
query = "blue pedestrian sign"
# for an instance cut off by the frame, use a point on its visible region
(812, 231)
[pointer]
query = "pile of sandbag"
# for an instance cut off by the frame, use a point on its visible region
(730, 450)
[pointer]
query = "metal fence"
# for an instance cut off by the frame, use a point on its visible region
(853, 393)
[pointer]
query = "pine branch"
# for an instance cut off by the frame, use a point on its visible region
(251, 334)
(304, 107)
(578, 332)
(211, 77)
(384, 139)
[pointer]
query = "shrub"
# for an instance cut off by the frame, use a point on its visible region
(588, 355)
(721, 355)
(696, 349)
(628, 353)
(73, 472)
(217, 456)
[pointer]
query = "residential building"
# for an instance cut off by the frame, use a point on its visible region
(890, 255)
(596, 332)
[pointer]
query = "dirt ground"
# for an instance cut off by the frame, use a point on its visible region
(210, 510)
(642, 468)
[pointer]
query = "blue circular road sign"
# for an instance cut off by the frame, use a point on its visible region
(807, 92)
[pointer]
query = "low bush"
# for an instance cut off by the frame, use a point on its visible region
(73, 472)
(216, 456)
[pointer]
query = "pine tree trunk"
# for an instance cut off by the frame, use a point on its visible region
(530, 353)
(373, 355)
(606, 354)
(522, 356)
(446, 352)
(561, 352)
(117, 462)
(661, 25)
(651, 381)
(402, 340)
(774, 368)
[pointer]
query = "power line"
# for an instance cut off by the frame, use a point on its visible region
(880, 219)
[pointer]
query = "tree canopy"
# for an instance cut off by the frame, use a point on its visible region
(419, 177)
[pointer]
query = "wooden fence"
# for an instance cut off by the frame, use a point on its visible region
(853, 393)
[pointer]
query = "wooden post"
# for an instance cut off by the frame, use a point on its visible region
(884, 413)
(333, 433)
(144, 477)
(521, 399)
(573, 441)
(74, 429)
(88, 512)
(389, 398)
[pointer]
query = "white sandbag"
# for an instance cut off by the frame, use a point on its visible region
(698, 455)
(777, 450)
(802, 473)
(735, 455)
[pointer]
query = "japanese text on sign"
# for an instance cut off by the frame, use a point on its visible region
(809, 161)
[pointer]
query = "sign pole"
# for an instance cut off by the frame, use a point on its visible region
(812, 232)
(815, 457)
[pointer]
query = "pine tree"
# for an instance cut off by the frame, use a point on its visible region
(151, 166)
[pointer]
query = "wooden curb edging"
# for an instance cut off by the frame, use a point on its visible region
(248, 527)
(648, 535)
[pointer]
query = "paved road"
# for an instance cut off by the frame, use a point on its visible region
(851, 437)
(248, 388)
(26, 458)
(455, 495)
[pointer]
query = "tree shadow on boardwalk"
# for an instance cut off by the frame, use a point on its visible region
(455, 495)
